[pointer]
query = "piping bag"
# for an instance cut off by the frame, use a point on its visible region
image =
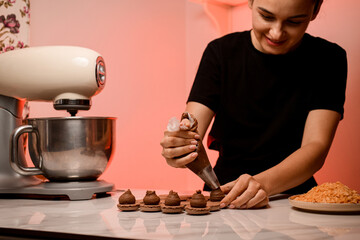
(201, 165)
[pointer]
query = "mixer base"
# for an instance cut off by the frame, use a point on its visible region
(73, 190)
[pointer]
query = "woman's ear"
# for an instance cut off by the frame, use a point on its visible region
(250, 3)
(316, 9)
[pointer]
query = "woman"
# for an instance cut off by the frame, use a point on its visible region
(277, 95)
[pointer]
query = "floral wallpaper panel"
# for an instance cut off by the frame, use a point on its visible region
(14, 24)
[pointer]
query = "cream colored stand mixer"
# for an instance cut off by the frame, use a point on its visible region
(72, 152)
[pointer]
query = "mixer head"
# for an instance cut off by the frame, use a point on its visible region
(66, 75)
(72, 106)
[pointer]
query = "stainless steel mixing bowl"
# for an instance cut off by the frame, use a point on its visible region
(66, 149)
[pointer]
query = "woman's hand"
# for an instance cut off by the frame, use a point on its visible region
(244, 192)
(179, 147)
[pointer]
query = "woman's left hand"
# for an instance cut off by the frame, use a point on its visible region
(244, 192)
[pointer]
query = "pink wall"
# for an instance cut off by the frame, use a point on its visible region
(339, 22)
(143, 44)
(152, 50)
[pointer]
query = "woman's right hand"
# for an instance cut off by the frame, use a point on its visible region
(179, 147)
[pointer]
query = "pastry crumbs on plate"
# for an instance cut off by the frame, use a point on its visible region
(330, 193)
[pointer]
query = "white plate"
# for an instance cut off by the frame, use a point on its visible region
(325, 207)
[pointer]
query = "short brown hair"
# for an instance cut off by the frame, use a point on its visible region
(316, 7)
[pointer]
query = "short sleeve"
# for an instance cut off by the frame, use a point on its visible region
(206, 87)
(329, 82)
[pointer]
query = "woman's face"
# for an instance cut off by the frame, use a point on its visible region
(279, 25)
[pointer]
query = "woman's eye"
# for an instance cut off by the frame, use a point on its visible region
(294, 22)
(266, 17)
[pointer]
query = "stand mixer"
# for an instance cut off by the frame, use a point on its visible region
(68, 77)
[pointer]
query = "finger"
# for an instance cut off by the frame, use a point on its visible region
(182, 134)
(171, 142)
(259, 200)
(250, 192)
(181, 162)
(237, 189)
(263, 203)
(228, 186)
(226, 189)
(176, 152)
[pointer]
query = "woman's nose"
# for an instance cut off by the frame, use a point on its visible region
(276, 31)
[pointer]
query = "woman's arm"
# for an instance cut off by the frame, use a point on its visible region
(319, 131)
(253, 191)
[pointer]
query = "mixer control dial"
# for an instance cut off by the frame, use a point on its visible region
(100, 72)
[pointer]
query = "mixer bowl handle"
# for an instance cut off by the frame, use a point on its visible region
(14, 149)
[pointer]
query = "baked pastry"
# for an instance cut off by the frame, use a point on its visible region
(198, 204)
(216, 196)
(150, 202)
(127, 202)
(172, 203)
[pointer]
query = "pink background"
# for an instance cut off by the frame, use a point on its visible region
(152, 49)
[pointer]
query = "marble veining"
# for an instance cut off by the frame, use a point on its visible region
(101, 217)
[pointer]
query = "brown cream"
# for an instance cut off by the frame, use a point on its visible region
(189, 116)
(151, 198)
(216, 195)
(198, 200)
(172, 199)
(127, 198)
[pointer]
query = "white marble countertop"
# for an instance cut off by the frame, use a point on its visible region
(101, 218)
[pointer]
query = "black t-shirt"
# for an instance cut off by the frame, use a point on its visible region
(262, 101)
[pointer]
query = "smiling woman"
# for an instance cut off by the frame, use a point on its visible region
(276, 95)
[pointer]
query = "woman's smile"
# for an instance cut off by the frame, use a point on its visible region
(275, 43)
